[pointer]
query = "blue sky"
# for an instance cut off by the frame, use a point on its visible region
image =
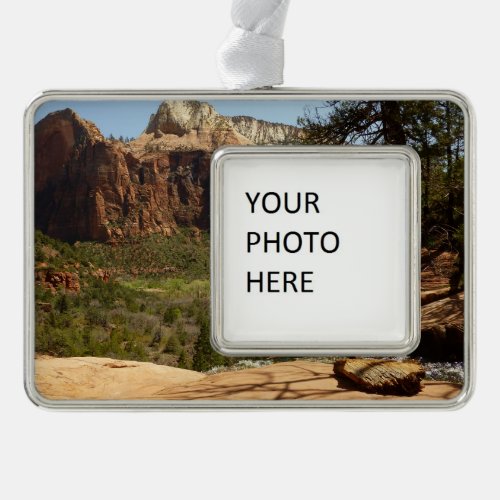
(129, 118)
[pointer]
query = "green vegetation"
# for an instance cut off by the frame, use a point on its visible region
(205, 357)
(180, 256)
(435, 129)
(125, 140)
(144, 300)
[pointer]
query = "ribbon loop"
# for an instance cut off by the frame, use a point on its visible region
(253, 54)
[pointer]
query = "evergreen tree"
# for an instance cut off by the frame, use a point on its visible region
(62, 303)
(173, 345)
(171, 315)
(435, 129)
(184, 361)
(204, 355)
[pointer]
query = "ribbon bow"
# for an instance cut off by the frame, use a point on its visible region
(252, 56)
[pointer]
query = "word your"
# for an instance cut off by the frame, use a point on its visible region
(272, 202)
(286, 242)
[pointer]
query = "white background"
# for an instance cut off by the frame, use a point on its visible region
(295, 454)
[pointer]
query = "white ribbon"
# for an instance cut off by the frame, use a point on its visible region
(253, 54)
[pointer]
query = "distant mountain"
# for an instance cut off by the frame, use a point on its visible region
(91, 188)
(262, 132)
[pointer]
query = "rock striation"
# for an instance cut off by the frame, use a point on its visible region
(402, 378)
(262, 132)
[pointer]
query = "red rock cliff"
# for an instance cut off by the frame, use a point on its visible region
(91, 188)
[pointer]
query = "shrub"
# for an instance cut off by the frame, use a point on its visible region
(181, 333)
(173, 346)
(62, 303)
(95, 317)
(171, 315)
(184, 361)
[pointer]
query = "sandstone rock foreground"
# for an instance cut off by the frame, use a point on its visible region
(105, 378)
(102, 378)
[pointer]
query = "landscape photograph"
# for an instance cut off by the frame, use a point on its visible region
(122, 249)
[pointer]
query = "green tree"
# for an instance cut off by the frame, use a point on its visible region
(435, 129)
(353, 122)
(173, 345)
(171, 315)
(184, 361)
(204, 355)
(62, 303)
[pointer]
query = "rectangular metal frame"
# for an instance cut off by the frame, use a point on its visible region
(264, 94)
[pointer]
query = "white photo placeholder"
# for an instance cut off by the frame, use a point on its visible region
(315, 250)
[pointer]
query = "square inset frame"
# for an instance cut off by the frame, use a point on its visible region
(367, 300)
